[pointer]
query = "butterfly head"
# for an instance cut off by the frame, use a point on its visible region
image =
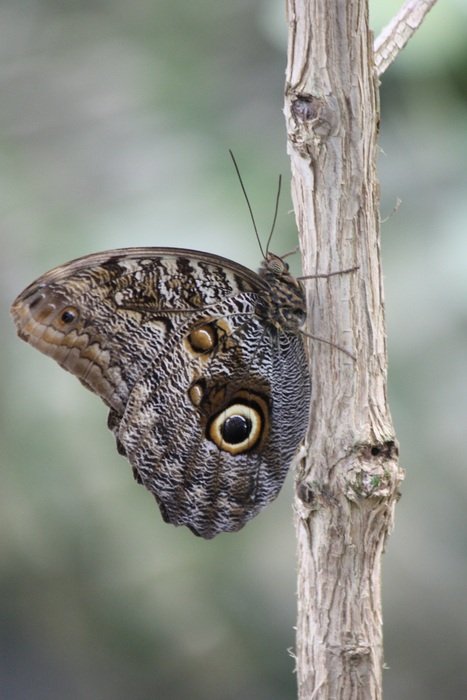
(286, 305)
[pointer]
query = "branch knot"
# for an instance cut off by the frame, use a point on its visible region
(312, 120)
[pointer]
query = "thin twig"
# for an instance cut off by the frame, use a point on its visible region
(400, 29)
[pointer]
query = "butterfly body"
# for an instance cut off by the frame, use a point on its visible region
(201, 363)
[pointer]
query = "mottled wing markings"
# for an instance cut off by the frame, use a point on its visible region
(193, 354)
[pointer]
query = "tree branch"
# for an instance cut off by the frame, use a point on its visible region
(400, 29)
(347, 485)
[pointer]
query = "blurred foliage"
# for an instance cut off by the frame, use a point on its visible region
(112, 114)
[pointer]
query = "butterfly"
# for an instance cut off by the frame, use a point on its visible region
(201, 362)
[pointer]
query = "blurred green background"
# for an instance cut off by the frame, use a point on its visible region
(112, 115)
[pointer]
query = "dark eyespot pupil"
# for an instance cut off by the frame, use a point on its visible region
(68, 317)
(235, 429)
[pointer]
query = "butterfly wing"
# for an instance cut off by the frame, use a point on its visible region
(104, 317)
(207, 401)
(213, 436)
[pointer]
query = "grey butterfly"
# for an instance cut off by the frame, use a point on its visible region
(201, 362)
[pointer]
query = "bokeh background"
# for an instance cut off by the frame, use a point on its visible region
(115, 120)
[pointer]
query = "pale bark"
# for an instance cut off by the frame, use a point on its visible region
(347, 484)
(400, 29)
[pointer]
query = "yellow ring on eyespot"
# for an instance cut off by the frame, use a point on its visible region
(255, 420)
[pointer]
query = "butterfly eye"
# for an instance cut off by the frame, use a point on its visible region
(276, 264)
(298, 314)
(237, 429)
(69, 315)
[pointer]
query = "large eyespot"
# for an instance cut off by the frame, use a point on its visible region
(68, 315)
(237, 428)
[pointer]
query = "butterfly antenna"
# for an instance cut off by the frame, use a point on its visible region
(276, 209)
(248, 203)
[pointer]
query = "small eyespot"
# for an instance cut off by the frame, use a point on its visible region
(69, 315)
(237, 428)
(203, 339)
(196, 393)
